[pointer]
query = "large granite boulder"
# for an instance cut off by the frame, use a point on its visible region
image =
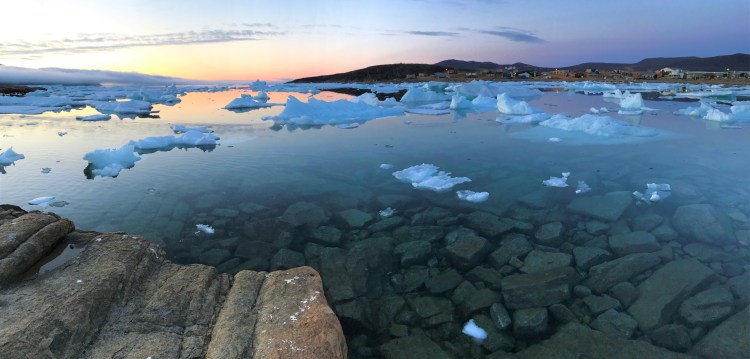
(120, 297)
(663, 292)
(703, 222)
(608, 207)
(729, 340)
(606, 275)
(576, 341)
(538, 289)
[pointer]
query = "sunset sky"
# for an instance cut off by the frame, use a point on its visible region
(245, 40)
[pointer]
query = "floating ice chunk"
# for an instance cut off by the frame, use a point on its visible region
(473, 330)
(366, 98)
(616, 93)
(205, 228)
(599, 126)
(554, 139)
(423, 95)
(95, 117)
(123, 107)
(191, 138)
(598, 110)
(715, 114)
(46, 170)
(41, 200)
(631, 104)
(510, 106)
(655, 192)
(471, 196)
(557, 181)
(386, 166)
(740, 110)
(700, 111)
(484, 103)
(262, 96)
(183, 129)
(34, 105)
(426, 176)
(348, 126)
(459, 102)
(582, 187)
(109, 162)
(318, 112)
(533, 118)
(246, 101)
(387, 213)
(62, 133)
(478, 88)
(9, 156)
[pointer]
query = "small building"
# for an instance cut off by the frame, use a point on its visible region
(411, 76)
(440, 75)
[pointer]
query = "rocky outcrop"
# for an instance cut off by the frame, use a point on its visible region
(119, 297)
(728, 340)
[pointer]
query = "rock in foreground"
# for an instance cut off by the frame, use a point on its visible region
(121, 298)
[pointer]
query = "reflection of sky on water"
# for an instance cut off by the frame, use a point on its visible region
(255, 162)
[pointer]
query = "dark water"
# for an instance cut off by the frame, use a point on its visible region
(414, 272)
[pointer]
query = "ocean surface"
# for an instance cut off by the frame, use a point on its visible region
(248, 187)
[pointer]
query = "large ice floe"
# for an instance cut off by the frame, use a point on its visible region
(473, 197)
(191, 138)
(94, 117)
(426, 176)
(132, 107)
(557, 181)
(631, 104)
(8, 157)
(423, 95)
(510, 106)
(316, 112)
(478, 88)
(245, 102)
(739, 111)
(109, 162)
(478, 104)
(35, 105)
(599, 126)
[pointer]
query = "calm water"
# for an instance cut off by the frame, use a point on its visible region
(257, 172)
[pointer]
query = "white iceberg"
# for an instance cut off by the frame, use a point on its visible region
(557, 181)
(318, 112)
(510, 106)
(631, 104)
(473, 197)
(598, 126)
(386, 166)
(9, 156)
(41, 200)
(715, 114)
(95, 117)
(136, 107)
(478, 88)
(699, 111)
(473, 330)
(109, 162)
(459, 102)
(34, 105)
(190, 138)
(205, 228)
(423, 95)
(427, 177)
(262, 96)
(599, 110)
(387, 213)
(740, 110)
(246, 101)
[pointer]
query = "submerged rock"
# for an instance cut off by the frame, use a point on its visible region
(728, 340)
(305, 214)
(608, 207)
(615, 323)
(703, 222)
(708, 307)
(633, 242)
(605, 275)
(538, 289)
(673, 337)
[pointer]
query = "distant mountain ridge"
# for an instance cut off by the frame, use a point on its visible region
(390, 72)
(736, 62)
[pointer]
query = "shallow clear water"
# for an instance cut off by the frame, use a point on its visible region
(167, 193)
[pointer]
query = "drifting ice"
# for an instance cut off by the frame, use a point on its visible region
(582, 187)
(9, 156)
(386, 213)
(205, 228)
(510, 106)
(598, 125)
(557, 181)
(41, 200)
(427, 177)
(183, 128)
(631, 104)
(318, 112)
(96, 117)
(473, 197)
(190, 138)
(124, 107)
(423, 95)
(246, 101)
(386, 166)
(109, 162)
(473, 330)
(655, 192)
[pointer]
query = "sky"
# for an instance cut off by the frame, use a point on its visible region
(248, 39)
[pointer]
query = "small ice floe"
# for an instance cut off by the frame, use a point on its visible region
(557, 181)
(387, 213)
(386, 166)
(41, 200)
(582, 187)
(348, 126)
(95, 117)
(473, 330)
(62, 133)
(554, 139)
(109, 162)
(599, 110)
(655, 192)
(316, 112)
(426, 176)
(46, 170)
(261, 96)
(473, 197)
(246, 101)
(79, 281)
(510, 106)
(631, 104)
(9, 156)
(205, 228)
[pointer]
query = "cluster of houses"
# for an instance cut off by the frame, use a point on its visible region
(511, 72)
